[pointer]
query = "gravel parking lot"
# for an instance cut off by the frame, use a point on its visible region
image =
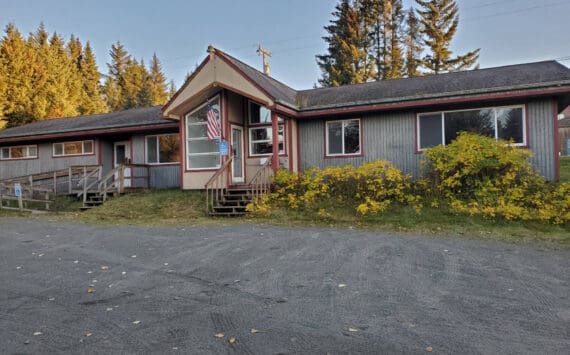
(77, 288)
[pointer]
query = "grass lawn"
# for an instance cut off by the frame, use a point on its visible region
(564, 168)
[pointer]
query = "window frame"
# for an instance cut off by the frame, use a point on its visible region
(187, 139)
(83, 153)
(26, 157)
(157, 136)
(524, 123)
(268, 127)
(343, 154)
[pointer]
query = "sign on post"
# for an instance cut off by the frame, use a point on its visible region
(18, 193)
(224, 148)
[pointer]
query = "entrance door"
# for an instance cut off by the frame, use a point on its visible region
(122, 155)
(237, 151)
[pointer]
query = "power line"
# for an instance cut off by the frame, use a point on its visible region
(516, 11)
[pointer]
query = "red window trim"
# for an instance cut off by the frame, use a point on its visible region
(360, 130)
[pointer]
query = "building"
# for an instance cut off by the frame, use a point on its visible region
(137, 136)
(395, 120)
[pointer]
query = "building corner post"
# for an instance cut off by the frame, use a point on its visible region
(275, 141)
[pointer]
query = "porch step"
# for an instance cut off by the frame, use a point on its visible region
(232, 203)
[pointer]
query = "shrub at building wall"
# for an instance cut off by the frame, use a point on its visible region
(473, 175)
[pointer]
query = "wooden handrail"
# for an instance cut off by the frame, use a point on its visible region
(260, 183)
(216, 185)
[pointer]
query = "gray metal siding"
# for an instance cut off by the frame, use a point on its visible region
(541, 136)
(165, 177)
(386, 136)
(45, 162)
(391, 136)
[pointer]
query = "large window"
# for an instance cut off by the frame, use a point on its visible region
(162, 149)
(261, 140)
(261, 133)
(202, 153)
(72, 148)
(343, 137)
(497, 122)
(19, 152)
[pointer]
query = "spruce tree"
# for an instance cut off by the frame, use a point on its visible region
(120, 59)
(439, 20)
(395, 17)
(157, 83)
(18, 66)
(347, 61)
(413, 44)
(92, 101)
(171, 90)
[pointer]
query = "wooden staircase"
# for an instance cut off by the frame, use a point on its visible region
(223, 200)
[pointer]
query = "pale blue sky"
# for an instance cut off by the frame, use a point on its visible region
(507, 31)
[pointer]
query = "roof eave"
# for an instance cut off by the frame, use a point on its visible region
(428, 100)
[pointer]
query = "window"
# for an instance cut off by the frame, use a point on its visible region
(162, 149)
(343, 137)
(72, 148)
(201, 152)
(261, 140)
(260, 114)
(19, 152)
(498, 122)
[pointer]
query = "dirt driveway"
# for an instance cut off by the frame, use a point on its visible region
(170, 290)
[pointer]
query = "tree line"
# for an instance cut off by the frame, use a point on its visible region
(377, 40)
(44, 77)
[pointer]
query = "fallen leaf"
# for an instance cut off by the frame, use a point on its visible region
(76, 261)
(109, 309)
(254, 331)
(18, 267)
(94, 281)
(133, 256)
(219, 335)
(165, 264)
(341, 285)
(90, 290)
(352, 329)
(89, 272)
(104, 267)
(232, 340)
(123, 273)
(40, 255)
(88, 334)
(429, 349)
(51, 299)
(137, 322)
(38, 333)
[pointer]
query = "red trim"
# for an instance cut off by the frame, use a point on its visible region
(275, 138)
(181, 149)
(361, 126)
(74, 155)
(236, 68)
(283, 109)
(186, 83)
(99, 150)
(556, 143)
(162, 164)
(298, 147)
(526, 125)
(289, 140)
(18, 146)
(414, 104)
(103, 131)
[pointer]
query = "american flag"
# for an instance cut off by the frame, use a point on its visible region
(214, 130)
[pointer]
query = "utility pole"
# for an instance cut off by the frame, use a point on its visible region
(265, 53)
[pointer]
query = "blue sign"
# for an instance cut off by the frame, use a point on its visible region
(18, 189)
(224, 148)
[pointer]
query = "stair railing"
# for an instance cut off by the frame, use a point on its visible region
(108, 182)
(217, 185)
(88, 186)
(260, 184)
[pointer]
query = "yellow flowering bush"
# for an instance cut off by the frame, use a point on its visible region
(479, 175)
(370, 188)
